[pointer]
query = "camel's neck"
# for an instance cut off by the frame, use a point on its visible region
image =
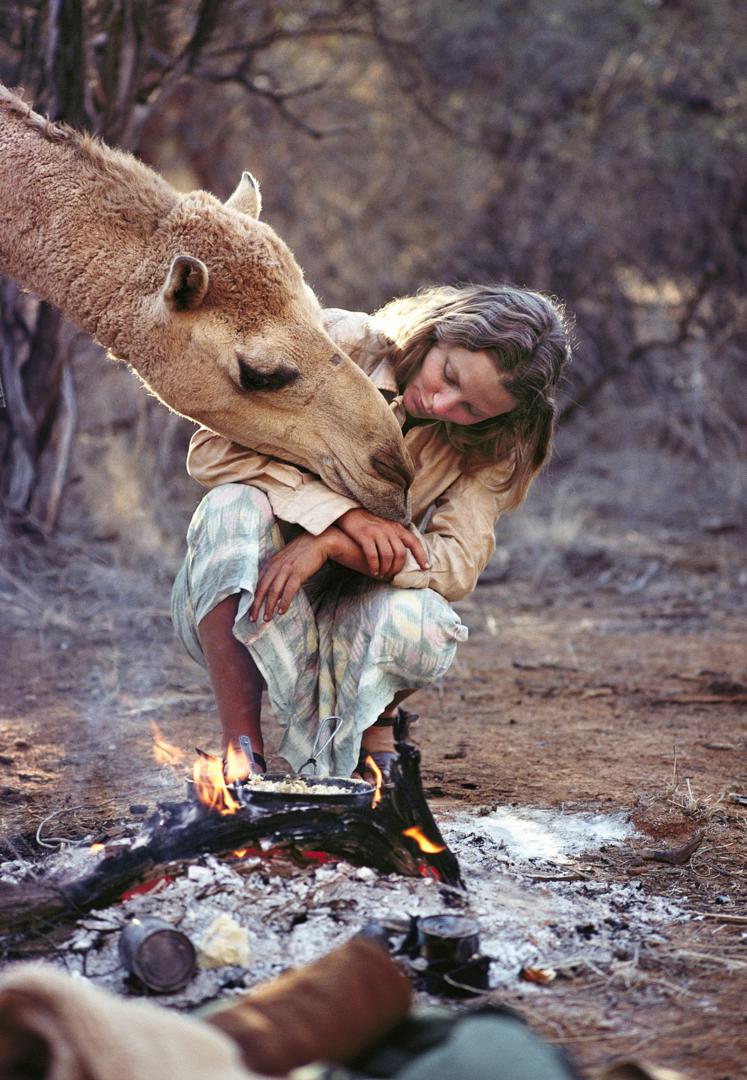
(75, 217)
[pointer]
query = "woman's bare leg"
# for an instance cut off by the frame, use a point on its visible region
(380, 738)
(390, 712)
(236, 679)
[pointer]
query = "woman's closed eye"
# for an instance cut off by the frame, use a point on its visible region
(451, 379)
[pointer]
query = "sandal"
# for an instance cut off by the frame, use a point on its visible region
(383, 759)
(386, 753)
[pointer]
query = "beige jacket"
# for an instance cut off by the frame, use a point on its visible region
(458, 532)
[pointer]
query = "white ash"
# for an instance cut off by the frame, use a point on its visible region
(533, 835)
(295, 914)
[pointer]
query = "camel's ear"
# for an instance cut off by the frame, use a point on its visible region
(246, 197)
(186, 283)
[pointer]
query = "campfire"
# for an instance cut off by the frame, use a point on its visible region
(283, 878)
(388, 827)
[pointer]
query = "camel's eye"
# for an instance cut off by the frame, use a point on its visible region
(259, 373)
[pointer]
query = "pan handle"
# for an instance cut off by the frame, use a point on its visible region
(316, 749)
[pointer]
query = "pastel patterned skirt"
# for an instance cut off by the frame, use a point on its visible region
(335, 651)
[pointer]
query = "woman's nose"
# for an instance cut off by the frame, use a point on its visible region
(442, 402)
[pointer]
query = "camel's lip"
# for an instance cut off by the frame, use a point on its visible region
(396, 508)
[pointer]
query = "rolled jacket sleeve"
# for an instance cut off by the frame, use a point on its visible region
(295, 496)
(459, 538)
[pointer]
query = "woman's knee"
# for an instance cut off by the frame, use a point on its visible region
(418, 615)
(237, 508)
(416, 605)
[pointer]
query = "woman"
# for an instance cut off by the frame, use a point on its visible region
(470, 372)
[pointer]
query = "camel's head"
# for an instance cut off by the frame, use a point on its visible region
(238, 345)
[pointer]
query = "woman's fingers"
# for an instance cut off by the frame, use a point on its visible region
(282, 575)
(371, 555)
(263, 584)
(400, 555)
(416, 546)
(270, 586)
(386, 555)
(276, 590)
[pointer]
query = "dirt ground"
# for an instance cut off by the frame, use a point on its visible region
(610, 676)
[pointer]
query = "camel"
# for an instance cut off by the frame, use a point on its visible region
(199, 297)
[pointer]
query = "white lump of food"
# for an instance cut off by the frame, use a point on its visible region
(293, 785)
(224, 942)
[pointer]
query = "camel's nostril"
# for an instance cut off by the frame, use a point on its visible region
(395, 469)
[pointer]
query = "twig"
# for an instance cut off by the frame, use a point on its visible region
(699, 699)
(556, 877)
(739, 920)
(675, 856)
(54, 842)
(712, 958)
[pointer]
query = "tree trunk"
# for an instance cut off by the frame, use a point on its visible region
(38, 417)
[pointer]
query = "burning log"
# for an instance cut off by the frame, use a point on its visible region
(396, 835)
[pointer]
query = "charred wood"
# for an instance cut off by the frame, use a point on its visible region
(181, 831)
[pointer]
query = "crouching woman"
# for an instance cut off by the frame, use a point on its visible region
(469, 373)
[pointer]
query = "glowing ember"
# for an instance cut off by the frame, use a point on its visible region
(210, 785)
(426, 846)
(429, 872)
(96, 848)
(379, 777)
(165, 752)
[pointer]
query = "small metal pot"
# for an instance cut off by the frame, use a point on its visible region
(161, 958)
(452, 939)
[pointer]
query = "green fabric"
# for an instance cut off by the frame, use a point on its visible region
(482, 1047)
(437, 1045)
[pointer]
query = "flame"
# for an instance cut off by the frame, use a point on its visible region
(96, 848)
(236, 764)
(210, 785)
(378, 777)
(164, 752)
(426, 846)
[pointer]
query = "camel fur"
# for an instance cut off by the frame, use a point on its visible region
(203, 300)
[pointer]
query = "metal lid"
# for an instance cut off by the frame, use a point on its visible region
(165, 960)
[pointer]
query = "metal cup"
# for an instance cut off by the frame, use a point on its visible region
(453, 939)
(161, 958)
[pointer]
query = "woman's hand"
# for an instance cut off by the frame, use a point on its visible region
(384, 543)
(283, 574)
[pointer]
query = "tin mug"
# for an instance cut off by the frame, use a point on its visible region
(451, 939)
(161, 958)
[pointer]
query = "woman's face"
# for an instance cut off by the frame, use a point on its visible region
(457, 385)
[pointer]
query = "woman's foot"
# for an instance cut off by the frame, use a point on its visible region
(378, 743)
(383, 760)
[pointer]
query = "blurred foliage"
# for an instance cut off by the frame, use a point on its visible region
(596, 149)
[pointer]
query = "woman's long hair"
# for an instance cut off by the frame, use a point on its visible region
(527, 335)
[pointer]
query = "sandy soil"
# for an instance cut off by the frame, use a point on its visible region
(611, 678)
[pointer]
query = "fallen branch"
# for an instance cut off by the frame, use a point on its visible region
(738, 920)
(675, 856)
(700, 699)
